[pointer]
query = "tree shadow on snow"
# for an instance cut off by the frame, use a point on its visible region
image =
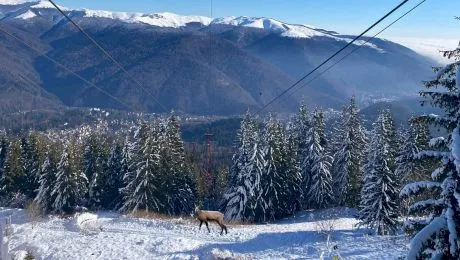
(306, 243)
(265, 241)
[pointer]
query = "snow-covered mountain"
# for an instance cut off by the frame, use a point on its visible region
(192, 63)
(30, 9)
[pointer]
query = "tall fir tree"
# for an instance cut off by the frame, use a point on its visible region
(71, 182)
(245, 173)
(47, 179)
(393, 140)
(341, 162)
(318, 190)
(406, 163)
(142, 190)
(378, 207)
(437, 236)
(291, 191)
(179, 182)
(348, 160)
(302, 125)
(4, 145)
(95, 167)
(13, 178)
(271, 183)
(32, 158)
(111, 180)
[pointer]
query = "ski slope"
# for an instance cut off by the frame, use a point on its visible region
(108, 235)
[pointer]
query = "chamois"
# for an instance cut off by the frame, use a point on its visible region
(216, 216)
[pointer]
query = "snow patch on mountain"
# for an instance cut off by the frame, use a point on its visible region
(156, 19)
(173, 20)
(13, 2)
(27, 15)
(284, 29)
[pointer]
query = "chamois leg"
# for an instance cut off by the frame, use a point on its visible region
(222, 228)
(201, 223)
(207, 226)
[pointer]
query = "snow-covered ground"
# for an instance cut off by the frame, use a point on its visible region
(107, 235)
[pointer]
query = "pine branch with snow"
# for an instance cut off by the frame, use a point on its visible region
(439, 237)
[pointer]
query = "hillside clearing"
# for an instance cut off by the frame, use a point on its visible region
(108, 235)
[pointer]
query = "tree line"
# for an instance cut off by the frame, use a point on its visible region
(143, 169)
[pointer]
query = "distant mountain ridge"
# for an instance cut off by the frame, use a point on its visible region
(193, 64)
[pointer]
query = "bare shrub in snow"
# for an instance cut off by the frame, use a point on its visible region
(327, 226)
(34, 211)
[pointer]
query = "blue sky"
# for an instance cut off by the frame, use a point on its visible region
(434, 19)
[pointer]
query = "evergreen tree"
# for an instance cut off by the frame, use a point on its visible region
(378, 207)
(47, 179)
(406, 163)
(95, 167)
(4, 144)
(348, 158)
(342, 161)
(142, 190)
(357, 145)
(318, 190)
(245, 173)
(31, 158)
(178, 180)
(392, 139)
(269, 195)
(302, 127)
(14, 177)
(71, 182)
(438, 235)
(111, 180)
(291, 191)
(127, 156)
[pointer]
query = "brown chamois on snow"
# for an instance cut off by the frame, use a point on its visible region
(207, 216)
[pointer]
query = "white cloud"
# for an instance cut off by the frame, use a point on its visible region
(428, 47)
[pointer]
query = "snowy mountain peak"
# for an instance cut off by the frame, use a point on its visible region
(284, 29)
(28, 11)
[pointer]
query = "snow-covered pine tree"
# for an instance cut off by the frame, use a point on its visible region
(127, 156)
(245, 172)
(32, 158)
(302, 126)
(291, 191)
(179, 182)
(47, 179)
(111, 180)
(350, 138)
(357, 146)
(438, 235)
(341, 160)
(95, 166)
(319, 189)
(392, 139)
(268, 197)
(378, 207)
(142, 190)
(71, 182)
(4, 144)
(426, 166)
(406, 163)
(13, 178)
